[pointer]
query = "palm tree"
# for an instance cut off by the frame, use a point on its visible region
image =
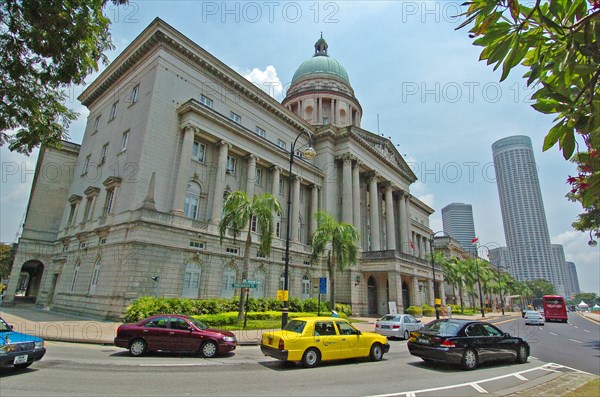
(238, 214)
(451, 274)
(460, 269)
(338, 241)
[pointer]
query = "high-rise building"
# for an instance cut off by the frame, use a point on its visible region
(572, 279)
(523, 216)
(457, 219)
(558, 256)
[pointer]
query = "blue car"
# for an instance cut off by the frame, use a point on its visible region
(17, 349)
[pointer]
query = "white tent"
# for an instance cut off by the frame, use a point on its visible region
(583, 305)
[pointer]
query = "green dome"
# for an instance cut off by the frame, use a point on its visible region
(321, 64)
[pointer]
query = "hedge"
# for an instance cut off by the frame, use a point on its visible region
(147, 306)
(414, 311)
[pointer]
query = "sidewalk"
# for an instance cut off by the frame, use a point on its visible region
(53, 326)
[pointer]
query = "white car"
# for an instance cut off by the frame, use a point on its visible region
(534, 318)
(397, 325)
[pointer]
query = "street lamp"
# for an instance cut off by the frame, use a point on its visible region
(308, 153)
(435, 294)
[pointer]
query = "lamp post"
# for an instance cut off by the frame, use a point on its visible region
(435, 293)
(309, 153)
(479, 280)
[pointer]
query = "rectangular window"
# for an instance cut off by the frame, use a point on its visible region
(74, 281)
(96, 125)
(281, 186)
(232, 251)
(206, 101)
(230, 165)
(260, 256)
(236, 118)
(281, 144)
(124, 140)
(190, 206)
(258, 177)
(86, 164)
(82, 245)
(102, 240)
(134, 94)
(86, 211)
(108, 204)
(113, 111)
(71, 214)
(261, 132)
(254, 224)
(199, 245)
(278, 227)
(199, 151)
(307, 263)
(103, 154)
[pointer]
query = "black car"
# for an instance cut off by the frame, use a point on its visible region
(467, 343)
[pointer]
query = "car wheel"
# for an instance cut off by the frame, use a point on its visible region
(469, 359)
(137, 347)
(406, 335)
(376, 352)
(310, 358)
(522, 354)
(22, 366)
(209, 349)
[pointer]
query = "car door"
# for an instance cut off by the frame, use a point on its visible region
(182, 339)
(505, 347)
(478, 340)
(351, 343)
(156, 334)
(327, 340)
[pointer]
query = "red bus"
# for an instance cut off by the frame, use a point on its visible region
(555, 308)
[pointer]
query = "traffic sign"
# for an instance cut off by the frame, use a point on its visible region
(245, 285)
(323, 285)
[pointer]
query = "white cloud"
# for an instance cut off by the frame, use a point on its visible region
(267, 80)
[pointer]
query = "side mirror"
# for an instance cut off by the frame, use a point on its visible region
(418, 321)
(507, 335)
(11, 326)
(358, 332)
(190, 329)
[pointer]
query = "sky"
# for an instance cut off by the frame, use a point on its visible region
(418, 80)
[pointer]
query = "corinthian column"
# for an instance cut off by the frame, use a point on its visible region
(389, 218)
(402, 229)
(182, 170)
(220, 182)
(275, 193)
(374, 209)
(251, 176)
(295, 209)
(314, 207)
(347, 190)
(356, 198)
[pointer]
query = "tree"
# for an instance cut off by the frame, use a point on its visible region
(238, 214)
(7, 256)
(338, 241)
(588, 297)
(451, 274)
(557, 42)
(46, 47)
(541, 287)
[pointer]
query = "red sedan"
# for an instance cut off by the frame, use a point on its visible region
(174, 333)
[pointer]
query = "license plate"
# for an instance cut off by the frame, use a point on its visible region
(423, 341)
(20, 359)
(385, 326)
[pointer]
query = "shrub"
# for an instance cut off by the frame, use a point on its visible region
(428, 311)
(414, 311)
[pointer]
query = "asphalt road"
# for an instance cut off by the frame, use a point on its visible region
(91, 370)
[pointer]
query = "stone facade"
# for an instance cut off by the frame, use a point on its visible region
(171, 130)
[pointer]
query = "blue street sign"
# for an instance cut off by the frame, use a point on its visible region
(323, 285)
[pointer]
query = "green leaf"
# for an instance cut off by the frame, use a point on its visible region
(567, 142)
(555, 134)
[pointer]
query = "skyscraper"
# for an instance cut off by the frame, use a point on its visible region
(523, 216)
(572, 279)
(457, 219)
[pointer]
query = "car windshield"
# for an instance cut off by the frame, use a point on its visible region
(389, 317)
(295, 326)
(4, 327)
(197, 323)
(445, 328)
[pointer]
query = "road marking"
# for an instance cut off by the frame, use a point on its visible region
(478, 388)
(545, 367)
(586, 331)
(552, 333)
(573, 340)
(575, 326)
(519, 376)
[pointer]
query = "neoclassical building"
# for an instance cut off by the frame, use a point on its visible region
(134, 209)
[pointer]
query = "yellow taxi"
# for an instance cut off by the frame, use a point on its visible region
(310, 340)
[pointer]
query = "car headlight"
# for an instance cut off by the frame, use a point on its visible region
(39, 345)
(229, 338)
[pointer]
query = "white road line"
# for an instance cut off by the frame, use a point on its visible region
(518, 376)
(575, 326)
(478, 388)
(411, 395)
(586, 331)
(552, 333)
(573, 340)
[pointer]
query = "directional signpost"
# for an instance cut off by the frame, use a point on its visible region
(246, 284)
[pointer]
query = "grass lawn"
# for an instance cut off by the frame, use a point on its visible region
(590, 389)
(261, 324)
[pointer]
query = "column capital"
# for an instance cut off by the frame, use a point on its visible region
(372, 175)
(276, 168)
(315, 186)
(224, 143)
(188, 127)
(252, 156)
(389, 185)
(345, 157)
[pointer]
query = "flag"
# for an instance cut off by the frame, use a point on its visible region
(412, 246)
(475, 240)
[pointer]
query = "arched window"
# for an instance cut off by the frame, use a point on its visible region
(191, 206)
(75, 276)
(259, 291)
(228, 281)
(191, 281)
(95, 274)
(305, 287)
